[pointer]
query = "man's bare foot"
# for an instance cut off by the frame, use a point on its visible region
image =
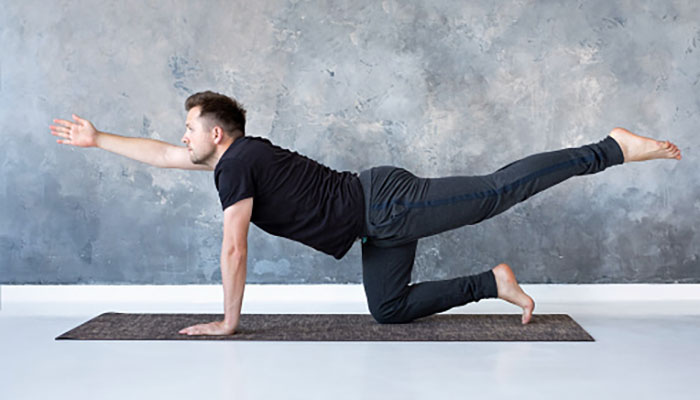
(640, 148)
(510, 291)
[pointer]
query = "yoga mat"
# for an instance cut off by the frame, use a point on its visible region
(334, 327)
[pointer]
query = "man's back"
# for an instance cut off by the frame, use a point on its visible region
(294, 196)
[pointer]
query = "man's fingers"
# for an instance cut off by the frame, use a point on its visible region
(64, 122)
(62, 128)
(59, 131)
(80, 120)
(191, 330)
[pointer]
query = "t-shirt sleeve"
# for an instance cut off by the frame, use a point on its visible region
(235, 182)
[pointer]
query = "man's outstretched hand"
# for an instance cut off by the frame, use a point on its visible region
(80, 133)
(212, 328)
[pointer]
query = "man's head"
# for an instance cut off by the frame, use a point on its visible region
(212, 120)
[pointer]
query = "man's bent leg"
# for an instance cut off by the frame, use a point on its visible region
(386, 273)
(406, 208)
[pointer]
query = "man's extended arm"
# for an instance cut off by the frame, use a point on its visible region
(150, 151)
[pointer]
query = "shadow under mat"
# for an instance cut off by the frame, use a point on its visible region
(334, 327)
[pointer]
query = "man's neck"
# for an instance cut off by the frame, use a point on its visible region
(220, 150)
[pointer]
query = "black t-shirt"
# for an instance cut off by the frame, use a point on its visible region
(293, 196)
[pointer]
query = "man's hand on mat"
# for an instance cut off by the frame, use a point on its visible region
(212, 328)
(80, 133)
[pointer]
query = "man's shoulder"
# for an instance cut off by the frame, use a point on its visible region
(251, 144)
(255, 140)
(246, 149)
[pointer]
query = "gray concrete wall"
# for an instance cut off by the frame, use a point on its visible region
(438, 87)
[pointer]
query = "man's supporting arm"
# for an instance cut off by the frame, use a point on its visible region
(233, 274)
(234, 256)
(234, 253)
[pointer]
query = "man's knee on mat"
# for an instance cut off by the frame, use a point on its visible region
(388, 313)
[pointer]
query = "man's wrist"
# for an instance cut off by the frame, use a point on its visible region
(230, 323)
(98, 139)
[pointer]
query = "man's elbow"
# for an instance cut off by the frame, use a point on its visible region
(235, 251)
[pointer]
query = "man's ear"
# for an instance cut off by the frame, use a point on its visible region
(218, 134)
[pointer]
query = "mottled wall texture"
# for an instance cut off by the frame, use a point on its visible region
(437, 87)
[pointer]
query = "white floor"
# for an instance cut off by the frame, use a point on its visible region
(643, 350)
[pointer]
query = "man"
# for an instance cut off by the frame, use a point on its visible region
(387, 208)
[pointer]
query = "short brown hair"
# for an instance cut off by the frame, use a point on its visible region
(221, 110)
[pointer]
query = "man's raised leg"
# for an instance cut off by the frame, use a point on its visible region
(423, 207)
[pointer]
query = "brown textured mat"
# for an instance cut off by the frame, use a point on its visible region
(334, 327)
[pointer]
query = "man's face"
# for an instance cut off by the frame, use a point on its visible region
(199, 139)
